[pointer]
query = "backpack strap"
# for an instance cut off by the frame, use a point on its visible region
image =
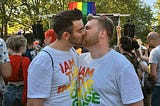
(20, 69)
(49, 56)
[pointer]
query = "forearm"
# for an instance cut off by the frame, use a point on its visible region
(140, 103)
(144, 58)
(153, 80)
(35, 102)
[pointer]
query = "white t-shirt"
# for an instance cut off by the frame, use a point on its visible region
(58, 84)
(154, 57)
(108, 81)
(3, 52)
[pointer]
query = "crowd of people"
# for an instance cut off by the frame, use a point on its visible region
(56, 75)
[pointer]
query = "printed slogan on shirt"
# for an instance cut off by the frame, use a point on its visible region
(80, 85)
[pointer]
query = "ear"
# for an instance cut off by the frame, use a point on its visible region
(66, 35)
(50, 38)
(102, 34)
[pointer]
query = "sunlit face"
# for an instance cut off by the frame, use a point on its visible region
(92, 33)
(78, 33)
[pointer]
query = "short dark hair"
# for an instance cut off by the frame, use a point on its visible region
(105, 22)
(29, 37)
(63, 21)
(128, 43)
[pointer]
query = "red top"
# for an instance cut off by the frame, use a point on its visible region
(15, 77)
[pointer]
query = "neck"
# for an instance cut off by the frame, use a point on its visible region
(99, 52)
(14, 53)
(157, 44)
(61, 46)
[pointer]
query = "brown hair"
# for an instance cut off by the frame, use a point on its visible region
(63, 21)
(105, 22)
(15, 42)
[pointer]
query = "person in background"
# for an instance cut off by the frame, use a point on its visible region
(17, 82)
(154, 62)
(31, 52)
(52, 75)
(5, 67)
(9, 44)
(106, 77)
(36, 45)
(49, 36)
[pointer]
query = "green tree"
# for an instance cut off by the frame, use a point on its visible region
(140, 14)
(7, 9)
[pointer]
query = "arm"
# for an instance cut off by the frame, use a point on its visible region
(35, 102)
(140, 103)
(5, 69)
(153, 73)
(144, 58)
(144, 67)
(5, 66)
(118, 29)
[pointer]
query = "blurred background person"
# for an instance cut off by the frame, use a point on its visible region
(5, 67)
(154, 61)
(17, 82)
(49, 37)
(31, 52)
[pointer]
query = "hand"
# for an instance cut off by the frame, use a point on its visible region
(118, 29)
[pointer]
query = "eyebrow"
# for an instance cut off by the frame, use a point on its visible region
(81, 28)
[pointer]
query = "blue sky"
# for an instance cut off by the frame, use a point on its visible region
(150, 2)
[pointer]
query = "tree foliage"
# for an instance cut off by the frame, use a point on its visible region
(27, 12)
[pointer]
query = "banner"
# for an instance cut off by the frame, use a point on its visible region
(85, 7)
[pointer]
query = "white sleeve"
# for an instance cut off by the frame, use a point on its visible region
(3, 52)
(39, 78)
(129, 84)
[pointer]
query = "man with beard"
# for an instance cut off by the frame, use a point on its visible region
(53, 74)
(154, 61)
(106, 78)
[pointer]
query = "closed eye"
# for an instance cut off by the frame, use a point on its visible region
(87, 27)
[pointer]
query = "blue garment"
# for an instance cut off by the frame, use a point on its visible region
(12, 93)
(155, 96)
(30, 53)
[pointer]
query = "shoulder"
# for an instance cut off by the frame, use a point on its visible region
(2, 45)
(155, 50)
(26, 60)
(1, 41)
(84, 55)
(42, 58)
(120, 61)
(117, 56)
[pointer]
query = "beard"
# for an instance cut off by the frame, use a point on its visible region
(75, 41)
(86, 42)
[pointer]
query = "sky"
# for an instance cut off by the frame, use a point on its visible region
(150, 3)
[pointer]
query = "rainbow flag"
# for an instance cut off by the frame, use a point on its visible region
(85, 7)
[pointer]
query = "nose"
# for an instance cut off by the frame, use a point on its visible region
(83, 32)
